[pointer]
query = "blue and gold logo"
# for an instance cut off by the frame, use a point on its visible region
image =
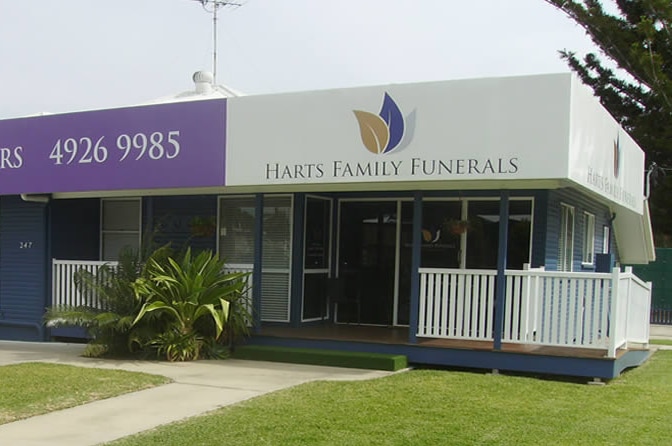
(388, 131)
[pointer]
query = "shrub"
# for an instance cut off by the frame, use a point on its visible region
(190, 294)
(110, 322)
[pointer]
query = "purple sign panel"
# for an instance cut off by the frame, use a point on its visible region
(176, 145)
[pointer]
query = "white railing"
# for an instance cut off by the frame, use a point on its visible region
(242, 268)
(64, 290)
(564, 309)
(456, 304)
(247, 295)
(557, 308)
(631, 311)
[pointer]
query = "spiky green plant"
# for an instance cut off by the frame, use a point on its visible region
(109, 321)
(184, 292)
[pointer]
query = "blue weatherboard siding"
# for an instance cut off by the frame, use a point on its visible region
(23, 269)
(581, 204)
(75, 229)
(172, 218)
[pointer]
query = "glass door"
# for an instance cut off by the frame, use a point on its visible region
(369, 262)
(316, 258)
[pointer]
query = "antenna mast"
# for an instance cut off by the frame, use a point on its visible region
(212, 7)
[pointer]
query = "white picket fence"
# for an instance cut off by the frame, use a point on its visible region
(244, 268)
(65, 292)
(456, 303)
(557, 308)
(564, 309)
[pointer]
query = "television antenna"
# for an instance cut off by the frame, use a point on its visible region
(213, 7)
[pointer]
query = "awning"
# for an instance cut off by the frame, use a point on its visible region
(634, 236)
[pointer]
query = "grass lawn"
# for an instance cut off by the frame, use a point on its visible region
(660, 341)
(430, 407)
(35, 388)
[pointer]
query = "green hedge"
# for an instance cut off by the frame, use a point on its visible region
(334, 358)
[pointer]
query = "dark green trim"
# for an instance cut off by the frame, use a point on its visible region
(334, 358)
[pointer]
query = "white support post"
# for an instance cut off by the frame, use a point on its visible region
(628, 294)
(611, 315)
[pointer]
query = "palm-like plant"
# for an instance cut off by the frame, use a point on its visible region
(184, 292)
(109, 322)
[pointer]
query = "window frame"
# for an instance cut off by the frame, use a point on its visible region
(588, 254)
(565, 254)
(104, 232)
(606, 239)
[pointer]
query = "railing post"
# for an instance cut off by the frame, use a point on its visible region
(612, 317)
(647, 326)
(628, 306)
(525, 308)
(54, 281)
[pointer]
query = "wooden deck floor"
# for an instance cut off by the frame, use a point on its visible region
(399, 336)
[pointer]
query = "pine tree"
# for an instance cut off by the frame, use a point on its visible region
(634, 82)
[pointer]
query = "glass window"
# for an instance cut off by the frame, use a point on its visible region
(120, 228)
(277, 241)
(483, 234)
(520, 233)
(276, 253)
(317, 250)
(566, 238)
(588, 257)
(318, 230)
(236, 246)
(121, 215)
(606, 239)
(236, 231)
(441, 234)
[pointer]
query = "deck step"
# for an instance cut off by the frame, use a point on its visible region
(313, 356)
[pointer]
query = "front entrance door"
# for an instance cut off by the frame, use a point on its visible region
(374, 261)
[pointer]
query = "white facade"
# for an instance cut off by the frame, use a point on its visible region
(544, 131)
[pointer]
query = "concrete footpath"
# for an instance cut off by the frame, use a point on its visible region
(660, 332)
(197, 387)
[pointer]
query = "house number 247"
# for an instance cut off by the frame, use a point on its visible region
(25, 245)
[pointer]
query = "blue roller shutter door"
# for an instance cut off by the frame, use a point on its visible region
(23, 269)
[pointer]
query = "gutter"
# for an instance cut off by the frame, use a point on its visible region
(35, 198)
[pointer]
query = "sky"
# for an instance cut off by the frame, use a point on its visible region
(70, 55)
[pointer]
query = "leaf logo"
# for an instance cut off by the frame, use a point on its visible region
(617, 157)
(387, 131)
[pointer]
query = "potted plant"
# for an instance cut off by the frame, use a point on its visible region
(203, 226)
(456, 227)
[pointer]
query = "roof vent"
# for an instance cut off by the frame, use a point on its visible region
(203, 81)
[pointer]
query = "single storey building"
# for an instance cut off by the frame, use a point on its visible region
(471, 223)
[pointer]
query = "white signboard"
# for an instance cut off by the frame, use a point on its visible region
(602, 157)
(485, 129)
